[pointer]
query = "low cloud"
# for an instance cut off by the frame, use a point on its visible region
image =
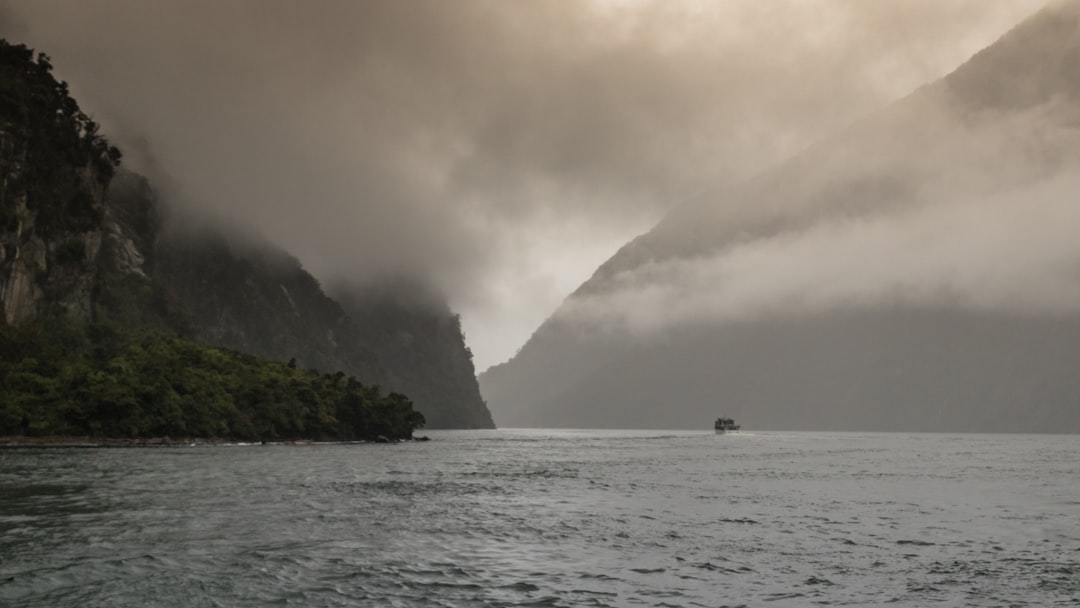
(987, 224)
(1015, 254)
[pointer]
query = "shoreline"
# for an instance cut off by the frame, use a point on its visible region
(61, 441)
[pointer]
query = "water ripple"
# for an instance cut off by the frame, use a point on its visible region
(549, 518)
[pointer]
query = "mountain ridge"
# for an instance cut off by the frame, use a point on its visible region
(887, 164)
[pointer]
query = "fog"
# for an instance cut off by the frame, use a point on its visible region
(993, 255)
(985, 221)
(502, 150)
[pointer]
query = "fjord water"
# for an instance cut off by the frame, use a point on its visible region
(550, 518)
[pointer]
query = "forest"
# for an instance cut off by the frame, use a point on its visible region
(101, 380)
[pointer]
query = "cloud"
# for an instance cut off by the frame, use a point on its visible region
(433, 138)
(987, 224)
(993, 255)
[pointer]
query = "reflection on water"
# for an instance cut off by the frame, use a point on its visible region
(554, 518)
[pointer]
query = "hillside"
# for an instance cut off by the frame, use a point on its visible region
(810, 297)
(250, 296)
(421, 345)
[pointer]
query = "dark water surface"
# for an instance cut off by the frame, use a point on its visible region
(550, 518)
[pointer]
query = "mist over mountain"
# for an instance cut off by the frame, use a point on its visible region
(244, 293)
(420, 344)
(99, 277)
(497, 150)
(916, 271)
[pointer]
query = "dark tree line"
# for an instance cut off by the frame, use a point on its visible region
(101, 381)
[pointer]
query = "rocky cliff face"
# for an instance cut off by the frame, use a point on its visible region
(421, 345)
(54, 169)
(39, 274)
(51, 270)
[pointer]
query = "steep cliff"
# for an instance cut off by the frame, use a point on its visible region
(420, 343)
(54, 169)
(246, 294)
(255, 298)
(250, 296)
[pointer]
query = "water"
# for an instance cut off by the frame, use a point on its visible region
(550, 518)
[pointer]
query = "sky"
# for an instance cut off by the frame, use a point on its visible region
(501, 150)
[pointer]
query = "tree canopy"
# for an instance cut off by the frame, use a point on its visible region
(102, 381)
(43, 134)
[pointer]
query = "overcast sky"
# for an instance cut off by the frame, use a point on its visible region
(501, 149)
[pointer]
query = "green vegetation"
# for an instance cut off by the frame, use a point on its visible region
(420, 342)
(51, 150)
(101, 381)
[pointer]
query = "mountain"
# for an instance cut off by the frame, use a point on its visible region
(54, 170)
(421, 345)
(853, 286)
(250, 296)
(85, 241)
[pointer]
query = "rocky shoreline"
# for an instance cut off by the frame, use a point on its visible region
(18, 441)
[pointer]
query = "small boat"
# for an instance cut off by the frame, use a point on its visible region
(724, 425)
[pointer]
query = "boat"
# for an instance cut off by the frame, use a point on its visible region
(724, 425)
